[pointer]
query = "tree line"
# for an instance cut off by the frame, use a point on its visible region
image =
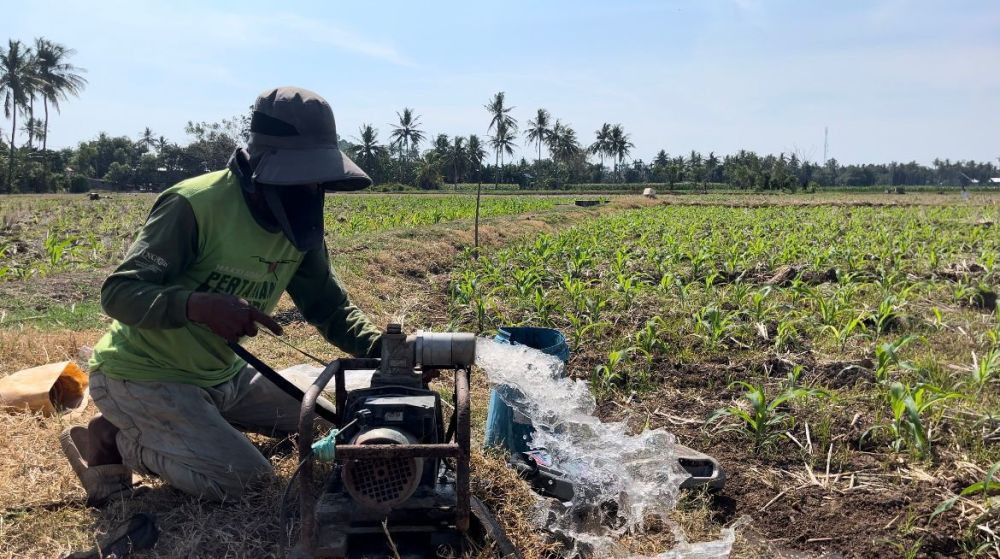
(408, 155)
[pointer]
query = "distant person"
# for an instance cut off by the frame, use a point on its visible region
(215, 255)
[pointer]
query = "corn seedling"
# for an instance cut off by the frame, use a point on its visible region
(843, 333)
(984, 369)
(909, 406)
(887, 357)
(712, 324)
(760, 418)
(612, 372)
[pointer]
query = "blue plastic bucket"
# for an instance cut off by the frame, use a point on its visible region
(507, 428)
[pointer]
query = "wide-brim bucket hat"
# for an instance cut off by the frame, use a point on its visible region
(293, 140)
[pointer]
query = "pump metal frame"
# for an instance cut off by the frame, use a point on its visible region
(459, 449)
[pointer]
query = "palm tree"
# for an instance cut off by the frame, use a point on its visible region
(459, 158)
(33, 129)
(500, 114)
(564, 145)
(620, 146)
(15, 85)
(601, 145)
(505, 127)
(502, 142)
(147, 139)
(367, 149)
(442, 145)
(161, 144)
(538, 131)
(711, 163)
(694, 164)
(475, 154)
(58, 79)
(406, 136)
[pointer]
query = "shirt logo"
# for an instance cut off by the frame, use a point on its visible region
(272, 265)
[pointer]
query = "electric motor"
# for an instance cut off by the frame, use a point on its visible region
(386, 482)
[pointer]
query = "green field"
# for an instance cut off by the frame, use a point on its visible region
(40, 236)
(839, 354)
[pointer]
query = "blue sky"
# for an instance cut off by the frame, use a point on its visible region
(893, 79)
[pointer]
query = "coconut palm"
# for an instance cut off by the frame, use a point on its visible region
(406, 136)
(711, 163)
(475, 153)
(500, 114)
(57, 78)
(502, 142)
(538, 131)
(15, 86)
(442, 145)
(459, 157)
(504, 127)
(563, 143)
(601, 146)
(367, 149)
(620, 146)
(33, 129)
(695, 166)
(147, 139)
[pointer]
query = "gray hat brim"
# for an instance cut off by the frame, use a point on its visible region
(327, 166)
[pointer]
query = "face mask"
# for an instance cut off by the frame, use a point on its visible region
(298, 210)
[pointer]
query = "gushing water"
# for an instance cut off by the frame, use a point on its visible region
(619, 479)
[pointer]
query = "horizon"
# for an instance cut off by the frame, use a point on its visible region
(894, 80)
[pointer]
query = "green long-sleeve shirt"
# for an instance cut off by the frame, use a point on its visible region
(201, 236)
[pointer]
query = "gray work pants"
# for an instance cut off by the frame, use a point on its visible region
(190, 436)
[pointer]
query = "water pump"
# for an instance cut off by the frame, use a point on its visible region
(396, 465)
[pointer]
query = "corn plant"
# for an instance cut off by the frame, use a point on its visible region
(760, 418)
(579, 260)
(760, 305)
(648, 341)
(612, 372)
(909, 406)
(57, 249)
(843, 332)
(712, 324)
(544, 306)
(984, 370)
(582, 329)
(481, 313)
(629, 287)
(887, 357)
(525, 281)
(465, 287)
(887, 315)
(787, 335)
(988, 260)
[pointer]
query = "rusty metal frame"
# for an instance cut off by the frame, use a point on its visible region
(460, 449)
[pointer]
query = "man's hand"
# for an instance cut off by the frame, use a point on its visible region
(228, 316)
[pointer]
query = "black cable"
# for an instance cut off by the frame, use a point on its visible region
(324, 408)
